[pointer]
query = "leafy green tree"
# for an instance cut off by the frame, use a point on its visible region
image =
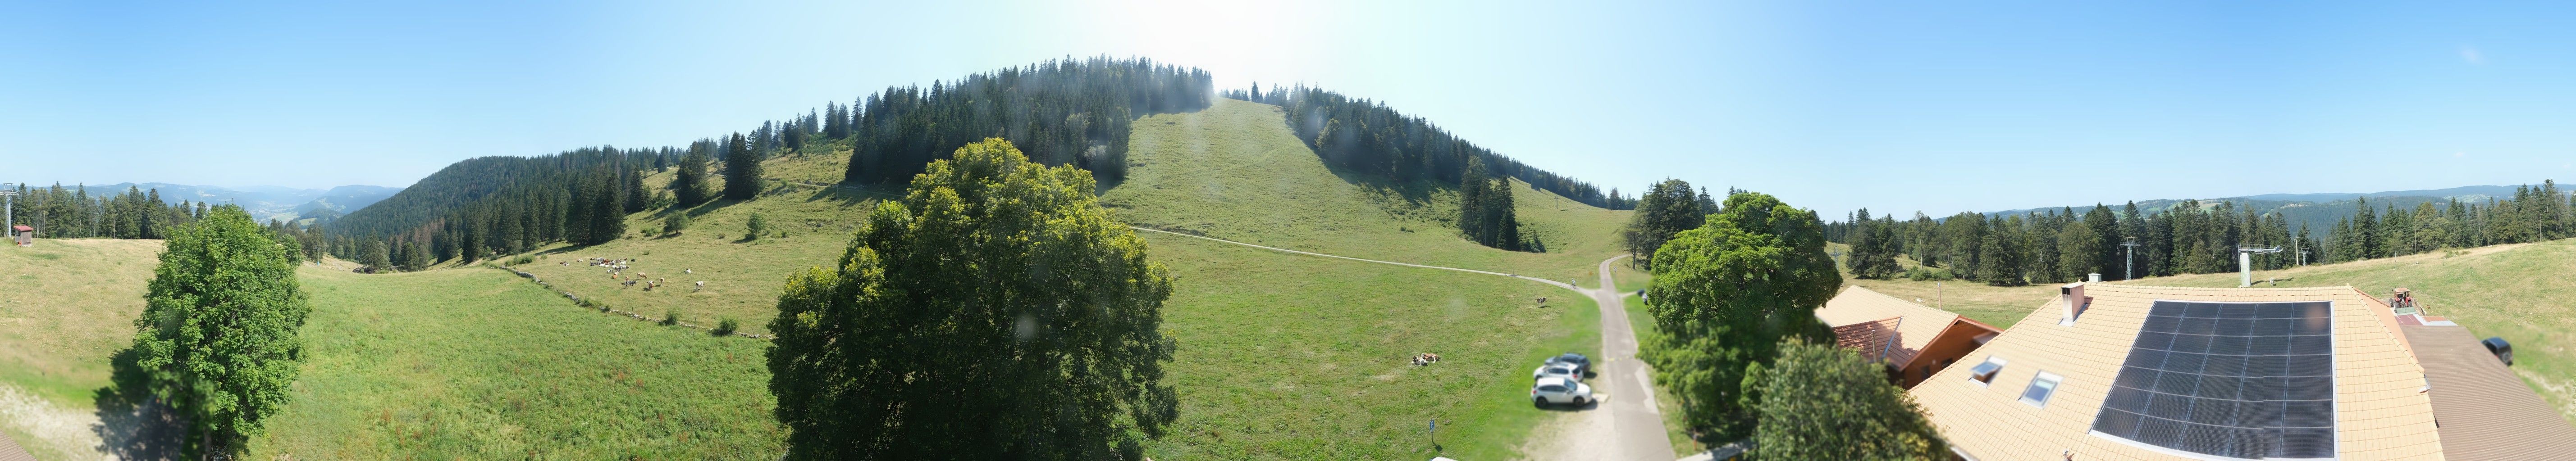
(997, 311)
(218, 332)
(754, 227)
(742, 169)
(1821, 402)
(1725, 294)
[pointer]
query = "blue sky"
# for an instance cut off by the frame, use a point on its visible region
(1896, 106)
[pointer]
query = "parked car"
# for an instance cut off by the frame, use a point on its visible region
(2502, 350)
(1582, 365)
(1557, 370)
(1557, 390)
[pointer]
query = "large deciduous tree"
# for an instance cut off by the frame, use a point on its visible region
(1725, 294)
(217, 337)
(997, 311)
(1821, 402)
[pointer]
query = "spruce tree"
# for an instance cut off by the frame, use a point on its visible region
(742, 169)
(691, 179)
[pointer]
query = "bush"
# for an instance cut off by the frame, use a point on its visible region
(725, 327)
(671, 317)
(1921, 274)
(675, 223)
(522, 259)
(755, 227)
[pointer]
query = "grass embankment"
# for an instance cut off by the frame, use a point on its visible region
(475, 363)
(743, 276)
(1235, 172)
(1296, 357)
(65, 307)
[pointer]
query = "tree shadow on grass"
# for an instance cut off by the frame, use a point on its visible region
(132, 423)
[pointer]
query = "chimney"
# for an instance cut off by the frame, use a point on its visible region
(2071, 298)
(2095, 277)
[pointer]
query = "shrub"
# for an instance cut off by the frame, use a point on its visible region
(675, 223)
(755, 227)
(725, 327)
(1921, 274)
(671, 317)
(522, 259)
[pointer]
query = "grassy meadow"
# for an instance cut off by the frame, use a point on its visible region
(473, 363)
(1297, 357)
(1235, 172)
(1281, 356)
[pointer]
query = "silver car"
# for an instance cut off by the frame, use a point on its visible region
(1558, 370)
(1557, 390)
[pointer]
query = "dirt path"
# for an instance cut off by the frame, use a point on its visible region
(58, 432)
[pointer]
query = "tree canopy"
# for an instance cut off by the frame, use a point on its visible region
(1665, 209)
(1821, 402)
(997, 311)
(1724, 295)
(217, 337)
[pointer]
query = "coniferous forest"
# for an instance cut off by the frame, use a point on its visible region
(2191, 237)
(1062, 112)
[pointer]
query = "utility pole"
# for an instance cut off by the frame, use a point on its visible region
(2129, 268)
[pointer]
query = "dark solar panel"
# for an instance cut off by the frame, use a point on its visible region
(2239, 380)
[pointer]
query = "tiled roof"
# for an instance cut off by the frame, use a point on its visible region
(2486, 413)
(1873, 340)
(1919, 324)
(2380, 412)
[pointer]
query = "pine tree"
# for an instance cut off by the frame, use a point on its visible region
(742, 170)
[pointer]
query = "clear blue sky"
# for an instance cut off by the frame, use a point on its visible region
(1897, 106)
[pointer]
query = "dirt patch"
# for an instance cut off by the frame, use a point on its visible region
(56, 432)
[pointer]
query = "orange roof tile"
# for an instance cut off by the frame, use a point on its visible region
(1919, 324)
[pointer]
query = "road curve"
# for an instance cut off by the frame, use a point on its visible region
(1626, 425)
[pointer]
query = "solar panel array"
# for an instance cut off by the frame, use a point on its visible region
(2239, 380)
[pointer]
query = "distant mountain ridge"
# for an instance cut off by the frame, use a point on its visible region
(263, 202)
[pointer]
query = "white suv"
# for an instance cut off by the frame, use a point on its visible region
(1556, 390)
(1557, 370)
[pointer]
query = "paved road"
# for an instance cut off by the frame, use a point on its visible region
(1640, 426)
(1626, 426)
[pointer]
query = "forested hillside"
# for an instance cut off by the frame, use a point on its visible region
(1064, 112)
(2189, 237)
(1368, 137)
(1058, 112)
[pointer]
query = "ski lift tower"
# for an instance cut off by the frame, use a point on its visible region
(2129, 268)
(2245, 262)
(9, 208)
